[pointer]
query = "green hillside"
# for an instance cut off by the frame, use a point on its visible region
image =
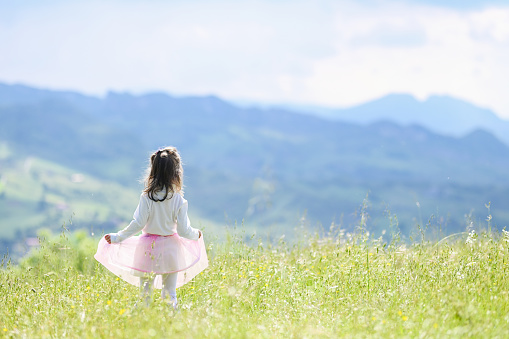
(266, 168)
(36, 193)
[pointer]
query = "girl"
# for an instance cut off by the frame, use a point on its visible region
(169, 252)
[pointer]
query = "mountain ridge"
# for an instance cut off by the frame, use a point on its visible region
(442, 114)
(269, 166)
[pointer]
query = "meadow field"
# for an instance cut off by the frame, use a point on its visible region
(328, 285)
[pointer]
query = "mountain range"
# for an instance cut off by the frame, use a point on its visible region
(265, 168)
(440, 114)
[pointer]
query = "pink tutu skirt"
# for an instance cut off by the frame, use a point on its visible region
(147, 254)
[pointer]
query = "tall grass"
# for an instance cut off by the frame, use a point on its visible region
(334, 285)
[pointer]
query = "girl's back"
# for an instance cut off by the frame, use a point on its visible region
(165, 217)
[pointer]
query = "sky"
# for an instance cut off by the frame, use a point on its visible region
(335, 53)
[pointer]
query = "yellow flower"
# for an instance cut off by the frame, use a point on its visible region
(400, 313)
(405, 318)
(121, 311)
(109, 302)
(72, 306)
(5, 330)
(435, 325)
(118, 279)
(88, 287)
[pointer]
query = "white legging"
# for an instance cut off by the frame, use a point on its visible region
(169, 289)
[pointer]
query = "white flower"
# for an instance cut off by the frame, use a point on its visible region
(472, 237)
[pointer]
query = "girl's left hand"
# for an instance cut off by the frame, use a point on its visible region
(108, 238)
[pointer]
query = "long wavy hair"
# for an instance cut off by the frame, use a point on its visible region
(165, 173)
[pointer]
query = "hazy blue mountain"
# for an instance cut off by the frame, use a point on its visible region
(267, 167)
(58, 131)
(441, 114)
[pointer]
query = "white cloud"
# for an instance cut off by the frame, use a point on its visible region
(447, 59)
(325, 52)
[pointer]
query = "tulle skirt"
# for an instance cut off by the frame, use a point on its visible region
(150, 254)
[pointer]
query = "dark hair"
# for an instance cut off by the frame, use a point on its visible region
(164, 173)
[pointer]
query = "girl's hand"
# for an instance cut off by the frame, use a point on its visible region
(108, 238)
(199, 236)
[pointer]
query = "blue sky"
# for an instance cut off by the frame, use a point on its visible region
(323, 52)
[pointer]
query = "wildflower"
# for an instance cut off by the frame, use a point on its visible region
(435, 325)
(472, 237)
(121, 311)
(400, 313)
(5, 330)
(405, 318)
(109, 302)
(506, 235)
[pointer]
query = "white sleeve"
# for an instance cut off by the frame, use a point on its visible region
(184, 228)
(139, 221)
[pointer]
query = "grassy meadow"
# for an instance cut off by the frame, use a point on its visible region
(331, 285)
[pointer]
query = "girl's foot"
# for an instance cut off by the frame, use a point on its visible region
(174, 303)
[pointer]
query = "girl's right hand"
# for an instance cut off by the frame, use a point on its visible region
(199, 236)
(108, 238)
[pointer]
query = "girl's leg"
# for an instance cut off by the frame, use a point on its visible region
(169, 289)
(146, 283)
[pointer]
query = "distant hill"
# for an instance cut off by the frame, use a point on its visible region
(36, 193)
(441, 114)
(267, 167)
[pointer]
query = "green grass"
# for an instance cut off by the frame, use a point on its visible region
(337, 285)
